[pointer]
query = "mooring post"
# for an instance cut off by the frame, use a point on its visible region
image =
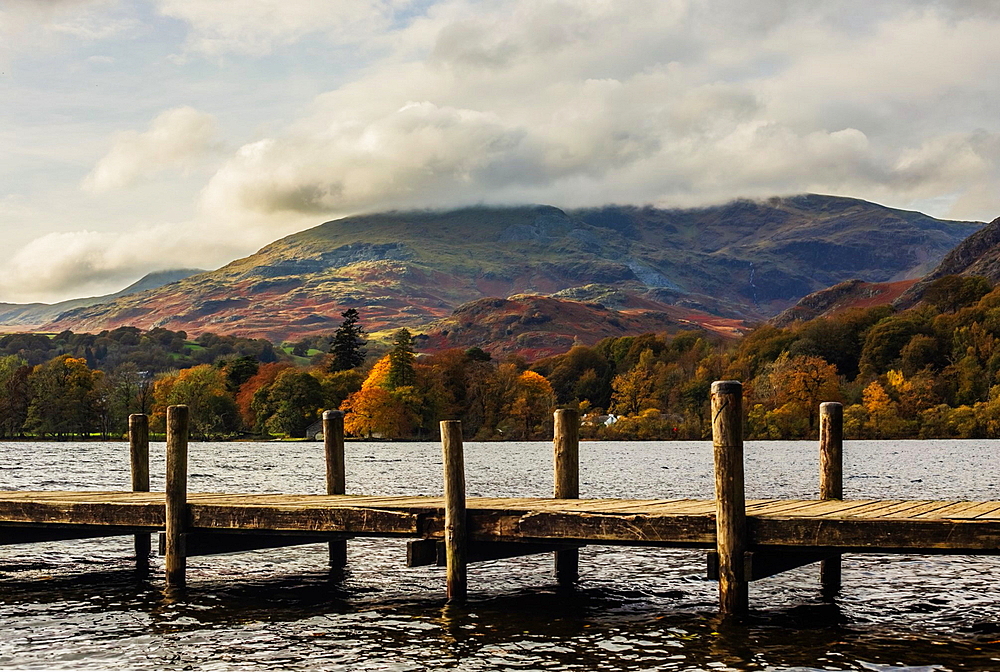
(566, 462)
(456, 548)
(138, 440)
(175, 561)
(336, 480)
(730, 498)
(831, 477)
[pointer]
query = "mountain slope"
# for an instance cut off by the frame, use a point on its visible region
(541, 326)
(979, 254)
(843, 296)
(35, 314)
(743, 260)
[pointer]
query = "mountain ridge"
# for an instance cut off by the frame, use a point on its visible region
(37, 314)
(745, 260)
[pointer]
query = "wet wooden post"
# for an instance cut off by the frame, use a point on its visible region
(566, 463)
(138, 440)
(831, 477)
(175, 561)
(730, 498)
(336, 481)
(455, 542)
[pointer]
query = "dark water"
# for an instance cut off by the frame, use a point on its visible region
(80, 605)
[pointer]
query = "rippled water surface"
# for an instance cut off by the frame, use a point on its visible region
(81, 605)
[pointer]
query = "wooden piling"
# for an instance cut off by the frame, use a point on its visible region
(456, 546)
(336, 480)
(138, 439)
(566, 463)
(831, 478)
(175, 561)
(730, 498)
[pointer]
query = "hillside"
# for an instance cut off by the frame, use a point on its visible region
(542, 326)
(742, 260)
(33, 315)
(841, 297)
(979, 254)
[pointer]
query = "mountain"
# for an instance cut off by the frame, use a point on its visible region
(29, 315)
(743, 260)
(979, 254)
(841, 297)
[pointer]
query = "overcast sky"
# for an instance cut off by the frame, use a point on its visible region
(138, 136)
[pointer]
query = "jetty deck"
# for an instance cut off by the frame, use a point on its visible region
(746, 540)
(856, 526)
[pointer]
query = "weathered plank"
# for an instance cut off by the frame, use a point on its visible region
(197, 543)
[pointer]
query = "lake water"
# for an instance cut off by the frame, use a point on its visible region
(80, 604)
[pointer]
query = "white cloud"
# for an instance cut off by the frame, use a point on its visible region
(175, 139)
(665, 102)
(88, 263)
(568, 102)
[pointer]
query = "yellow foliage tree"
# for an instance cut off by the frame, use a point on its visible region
(376, 412)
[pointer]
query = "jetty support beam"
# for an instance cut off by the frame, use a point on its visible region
(138, 440)
(730, 498)
(455, 531)
(336, 480)
(175, 561)
(566, 467)
(831, 478)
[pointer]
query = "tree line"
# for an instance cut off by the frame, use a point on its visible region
(930, 371)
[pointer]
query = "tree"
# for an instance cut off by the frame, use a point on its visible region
(347, 349)
(15, 394)
(401, 370)
(632, 391)
(375, 411)
(204, 390)
(290, 404)
(63, 397)
(805, 381)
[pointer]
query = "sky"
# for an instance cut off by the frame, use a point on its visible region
(149, 135)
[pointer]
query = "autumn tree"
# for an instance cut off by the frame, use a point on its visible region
(203, 389)
(63, 397)
(375, 412)
(805, 382)
(633, 390)
(289, 404)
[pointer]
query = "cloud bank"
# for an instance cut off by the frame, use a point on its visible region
(669, 102)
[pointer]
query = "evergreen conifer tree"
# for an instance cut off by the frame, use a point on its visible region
(401, 358)
(347, 349)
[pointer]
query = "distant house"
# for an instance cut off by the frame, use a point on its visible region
(314, 432)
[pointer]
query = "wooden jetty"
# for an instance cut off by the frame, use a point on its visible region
(746, 539)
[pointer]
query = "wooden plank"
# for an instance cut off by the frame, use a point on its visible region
(773, 508)
(896, 508)
(916, 510)
(10, 535)
(301, 518)
(596, 527)
(953, 508)
(832, 508)
(216, 543)
(83, 513)
(879, 534)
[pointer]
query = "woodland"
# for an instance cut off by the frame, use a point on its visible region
(931, 371)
